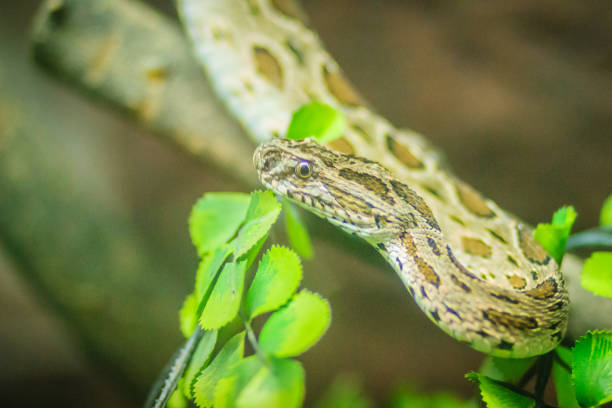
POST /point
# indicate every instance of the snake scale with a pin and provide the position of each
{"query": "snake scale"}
(473, 269)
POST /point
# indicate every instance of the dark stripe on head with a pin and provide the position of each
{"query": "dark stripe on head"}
(372, 183)
(509, 320)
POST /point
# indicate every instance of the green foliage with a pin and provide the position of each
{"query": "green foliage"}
(254, 384)
(407, 397)
(597, 274)
(215, 218)
(296, 327)
(296, 231)
(218, 373)
(278, 276)
(592, 368)
(506, 369)
(582, 376)
(566, 391)
(345, 391)
(496, 395)
(262, 213)
(316, 120)
(605, 218)
(178, 399)
(206, 382)
(187, 315)
(207, 269)
(553, 236)
(235, 380)
(198, 360)
(222, 305)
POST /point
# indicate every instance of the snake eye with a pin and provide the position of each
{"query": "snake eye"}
(303, 170)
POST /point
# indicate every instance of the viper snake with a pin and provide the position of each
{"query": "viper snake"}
(473, 269)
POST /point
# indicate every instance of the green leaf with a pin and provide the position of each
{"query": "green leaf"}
(224, 301)
(566, 392)
(506, 369)
(495, 395)
(215, 218)
(208, 268)
(346, 391)
(280, 385)
(296, 231)
(236, 378)
(198, 361)
(297, 326)
(605, 218)
(177, 400)
(592, 369)
(564, 354)
(277, 278)
(262, 213)
(172, 374)
(316, 120)
(407, 397)
(206, 382)
(597, 274)
(188, 315)
(252, 253)
(553, 236)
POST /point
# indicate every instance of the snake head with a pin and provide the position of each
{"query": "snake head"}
(351, 192)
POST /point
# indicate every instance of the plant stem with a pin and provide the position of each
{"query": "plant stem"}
(562, 363)
(543, 366)
(527, 376)
(253, 340)
(591, 238)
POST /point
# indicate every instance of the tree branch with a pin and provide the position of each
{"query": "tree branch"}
(131, 56)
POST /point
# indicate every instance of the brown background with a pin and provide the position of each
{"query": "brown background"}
(518, 95)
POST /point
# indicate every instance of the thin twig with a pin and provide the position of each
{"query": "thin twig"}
(562, 363)
(592, 238)
(253, 340)
(544, 366)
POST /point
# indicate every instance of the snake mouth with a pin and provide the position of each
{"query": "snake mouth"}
(266, 160)
(257, 158)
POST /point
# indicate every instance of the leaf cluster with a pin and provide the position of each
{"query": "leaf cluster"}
(582, 376)
(229, 230)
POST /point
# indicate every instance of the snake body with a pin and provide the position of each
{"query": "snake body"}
(474, 269)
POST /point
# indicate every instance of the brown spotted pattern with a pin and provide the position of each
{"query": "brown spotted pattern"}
(413, 199)
(517, 282)
(340, 88)
(341, 145)
(268, 66)
(403, 153)
(476, 246)
(427, 271)
(464, 287)
(530, 247)
(545, 290)
(472, 200)
(370, 182)
(290, 8)
(509, 320)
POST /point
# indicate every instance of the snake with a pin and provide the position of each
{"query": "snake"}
(474, 269)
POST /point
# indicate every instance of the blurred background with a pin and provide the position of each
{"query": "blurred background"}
(95, 258)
